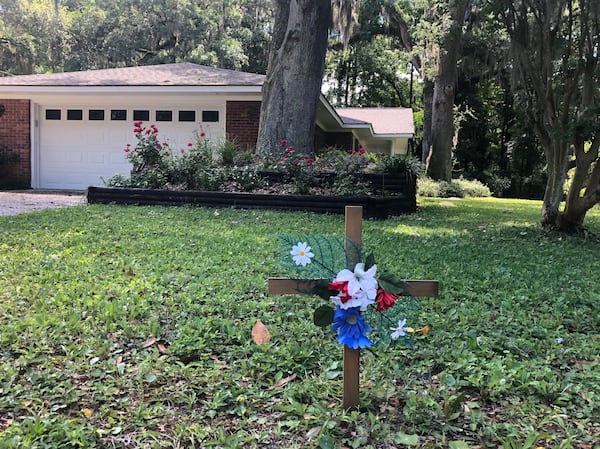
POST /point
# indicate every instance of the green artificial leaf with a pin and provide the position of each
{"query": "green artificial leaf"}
(391, 283)
(321, 289)
(323, 316)
(369, 261)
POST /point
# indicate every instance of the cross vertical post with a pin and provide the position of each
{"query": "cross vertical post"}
(353, 243)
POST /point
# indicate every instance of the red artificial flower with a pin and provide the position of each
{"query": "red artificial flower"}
(283, 158)
(137, 130)
(361, 150)
(190, 144)
(158, 145)
(148, 131)
(127, 150)
(309, 160)
(289, 150)
(137, 124)
(283, 142)
(167, 154)
(182, 151)
(202, 134)
(342, 288)
(296, 162)
(384, 299)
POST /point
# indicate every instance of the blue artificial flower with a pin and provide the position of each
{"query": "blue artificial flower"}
(351, 328)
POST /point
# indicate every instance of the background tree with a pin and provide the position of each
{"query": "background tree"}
(555, 50)
(47, 35)
(439, 160)
(294, 75)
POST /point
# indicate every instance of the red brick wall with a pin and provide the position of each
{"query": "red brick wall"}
(15, 145)
(241, 123)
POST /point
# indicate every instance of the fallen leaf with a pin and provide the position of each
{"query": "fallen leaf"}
(162, 348)
(284, 381)
(313, 432)
(87, 412)
(149, 342)
(260, 333)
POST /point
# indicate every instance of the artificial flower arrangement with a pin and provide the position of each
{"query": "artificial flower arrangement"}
(356, 295)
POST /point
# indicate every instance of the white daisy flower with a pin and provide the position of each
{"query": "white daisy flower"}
(301, 254)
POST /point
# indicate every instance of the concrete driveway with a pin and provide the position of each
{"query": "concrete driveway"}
(21, 201)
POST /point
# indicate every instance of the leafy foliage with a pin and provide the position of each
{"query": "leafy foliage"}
(461, 188)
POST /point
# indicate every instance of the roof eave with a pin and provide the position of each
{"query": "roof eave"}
(215, 89)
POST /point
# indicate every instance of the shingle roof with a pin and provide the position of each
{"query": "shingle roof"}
(180, 74)
(384, 120)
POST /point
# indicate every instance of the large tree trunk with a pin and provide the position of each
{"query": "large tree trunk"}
(294, 76)
(557, 156)
(427, 106)
(439, 162)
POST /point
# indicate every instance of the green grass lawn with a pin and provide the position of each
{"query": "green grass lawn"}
(512, 357)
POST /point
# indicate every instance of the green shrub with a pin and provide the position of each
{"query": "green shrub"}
(226, 151)
(428, 187)
(246, 178)
(450, 190)
(472, 188)
(400, 163)
(457, 188)
(208, 179)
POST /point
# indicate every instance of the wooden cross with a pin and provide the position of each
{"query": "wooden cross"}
(287, 286)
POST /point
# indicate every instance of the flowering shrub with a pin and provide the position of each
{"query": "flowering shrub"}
(148, 152)
(298, 168)
(352, 292)
(204, 165)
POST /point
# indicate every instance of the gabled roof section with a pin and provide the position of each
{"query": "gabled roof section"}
(385, 121)
(180, 74)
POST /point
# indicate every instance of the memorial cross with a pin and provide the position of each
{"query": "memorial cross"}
(353, 242)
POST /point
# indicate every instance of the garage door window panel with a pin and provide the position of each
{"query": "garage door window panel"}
(74, 114)
(187, 116)
(164, 116)
(53, 114)
(141, 115)
(96, 114)
(210, 116)
(118, 114)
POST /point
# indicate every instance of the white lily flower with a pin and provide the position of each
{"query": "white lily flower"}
(360, 280)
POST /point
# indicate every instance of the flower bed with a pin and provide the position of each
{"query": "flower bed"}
(373, 207)
(219, 175)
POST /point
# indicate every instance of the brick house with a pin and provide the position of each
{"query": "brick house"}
(68, 130)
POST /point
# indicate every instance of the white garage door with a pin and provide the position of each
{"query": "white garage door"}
(79, 146)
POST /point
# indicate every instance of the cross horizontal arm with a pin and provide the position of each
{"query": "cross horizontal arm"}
(286, 286)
